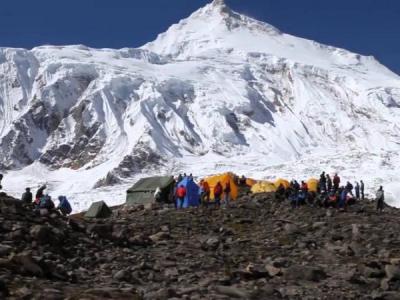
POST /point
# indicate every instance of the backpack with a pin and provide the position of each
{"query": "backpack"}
(46, 202)
(65, 207)
(181, 192)
(379, 195)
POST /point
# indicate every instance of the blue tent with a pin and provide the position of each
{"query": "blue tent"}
(192, 192)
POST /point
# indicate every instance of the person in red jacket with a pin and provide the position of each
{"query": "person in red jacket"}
(206, 193)
(336, 182)
(180, 196)
(217, 194)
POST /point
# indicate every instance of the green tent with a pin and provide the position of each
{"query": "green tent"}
(143, 191)
(98, 210)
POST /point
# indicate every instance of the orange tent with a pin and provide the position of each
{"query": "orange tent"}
(250, 182)
(263, 187)
(284, 182)
(313, 185)
(223, 179)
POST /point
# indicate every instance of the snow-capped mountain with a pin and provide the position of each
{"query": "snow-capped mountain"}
(217, 91)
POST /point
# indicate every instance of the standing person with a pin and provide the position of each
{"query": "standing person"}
(362, 189)
(342, 197)
(180, 178)
(336, 182)
(27, 197)
(349, 187)
(329, 182)
(303, 195)
(322, 182)
(357, 190)
(280, 192)
(64, 206)
(180, 196)
(40, 193)
(227, 194)
(206, 191)
(380, 199)
(217, 194)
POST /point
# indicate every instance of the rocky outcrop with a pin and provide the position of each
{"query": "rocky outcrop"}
(259, 248)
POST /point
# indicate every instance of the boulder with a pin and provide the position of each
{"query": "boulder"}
(162, 235)
(392, 272)
(27, 264)
(41, 233)
(5, 250)
(4, 292)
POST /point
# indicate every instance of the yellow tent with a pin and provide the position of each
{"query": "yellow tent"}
(284, 182)
(223, 179)
(250, 182)
(313, 185)
(263, 187)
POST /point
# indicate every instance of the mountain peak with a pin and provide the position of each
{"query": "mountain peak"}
(218, 3)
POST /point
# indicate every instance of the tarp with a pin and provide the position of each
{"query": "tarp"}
(263, 187)
(223, 179)
(98, 210)
(313, 185)
(284, 182)
(192, 192)
(143, 191)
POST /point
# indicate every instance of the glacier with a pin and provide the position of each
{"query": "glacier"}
(219, 91)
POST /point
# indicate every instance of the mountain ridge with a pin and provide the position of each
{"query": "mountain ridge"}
(202, 97)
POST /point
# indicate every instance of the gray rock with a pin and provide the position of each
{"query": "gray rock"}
(121, 275)
(392, 272)
(272, 271)
(161, 294)
(315, 274)
(28, 264)
(162, 235)
(212, 243)
(5, 250)
(232, 292)
(41, 233)
(4, 292)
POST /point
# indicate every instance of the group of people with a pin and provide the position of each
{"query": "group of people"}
(328, 193)
(221, 193)
(43, 201)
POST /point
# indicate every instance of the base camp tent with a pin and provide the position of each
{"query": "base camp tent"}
(263, 187)
(313, 185)
(98, 210)
(223, 179)
(192, 192)
(143, 191)
(250, 182)
(284, 182)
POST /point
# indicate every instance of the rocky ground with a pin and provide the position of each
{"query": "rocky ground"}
(259, 248)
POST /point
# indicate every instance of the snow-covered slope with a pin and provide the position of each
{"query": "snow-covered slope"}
(218, 91)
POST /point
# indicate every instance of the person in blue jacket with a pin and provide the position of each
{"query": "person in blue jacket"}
(64, 206)
(343, 197)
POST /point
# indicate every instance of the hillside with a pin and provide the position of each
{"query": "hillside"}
(257, 249)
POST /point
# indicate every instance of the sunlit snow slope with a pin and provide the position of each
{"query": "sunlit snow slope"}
(218, 91)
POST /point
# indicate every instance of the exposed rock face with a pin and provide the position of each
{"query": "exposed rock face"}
(259, 248)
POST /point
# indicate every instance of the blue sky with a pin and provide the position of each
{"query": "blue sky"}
(370, 27)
